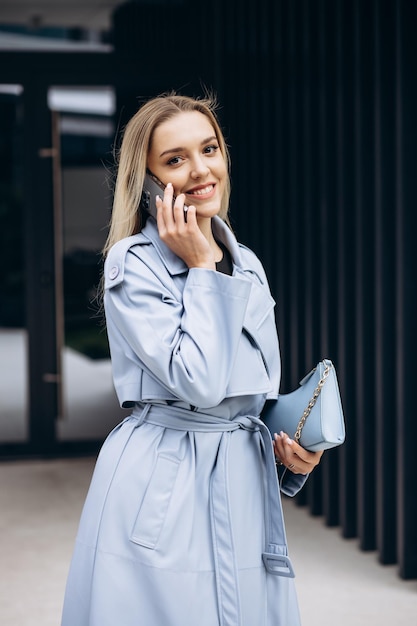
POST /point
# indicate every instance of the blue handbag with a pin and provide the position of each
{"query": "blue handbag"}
(312, 414)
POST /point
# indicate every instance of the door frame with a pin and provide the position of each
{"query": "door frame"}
(37, 72)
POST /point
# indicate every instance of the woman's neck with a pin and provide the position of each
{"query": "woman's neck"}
(205, 227)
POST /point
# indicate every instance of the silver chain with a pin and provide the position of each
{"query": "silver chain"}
(311, 404)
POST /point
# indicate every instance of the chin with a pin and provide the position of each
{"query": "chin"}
(210, 209)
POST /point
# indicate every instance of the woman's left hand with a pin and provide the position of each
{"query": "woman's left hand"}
(296, 458)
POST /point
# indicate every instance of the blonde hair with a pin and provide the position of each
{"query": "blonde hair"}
(133, 154)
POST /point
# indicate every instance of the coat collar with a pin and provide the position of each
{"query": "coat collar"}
(174, 264)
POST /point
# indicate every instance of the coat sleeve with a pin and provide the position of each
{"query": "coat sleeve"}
(290, 483)
(187, 341)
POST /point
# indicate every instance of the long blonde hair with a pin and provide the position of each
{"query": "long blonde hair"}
(132, 159)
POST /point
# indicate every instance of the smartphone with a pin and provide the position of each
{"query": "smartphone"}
(153, 187)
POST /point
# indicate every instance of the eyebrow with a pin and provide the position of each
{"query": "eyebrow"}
(181, 149)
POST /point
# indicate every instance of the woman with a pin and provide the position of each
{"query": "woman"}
(183, 524)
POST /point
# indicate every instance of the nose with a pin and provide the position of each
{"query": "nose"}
(199, 169)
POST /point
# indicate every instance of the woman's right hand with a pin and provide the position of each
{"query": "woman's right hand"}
(181, 232)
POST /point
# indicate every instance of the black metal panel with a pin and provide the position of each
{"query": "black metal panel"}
(384, 311)
(345, 258)
(310, 260)
(40, 270)
(364, 271)
(283, 205)
(326, 247)
(406, 300)
(57, 68)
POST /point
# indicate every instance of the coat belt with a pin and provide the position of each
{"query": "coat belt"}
(274, 557)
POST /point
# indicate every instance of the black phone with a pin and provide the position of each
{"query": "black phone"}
(153, 187)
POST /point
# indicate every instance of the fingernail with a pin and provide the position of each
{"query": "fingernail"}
(157, 197)
(282, 433)
(169, 185)
(289, 441)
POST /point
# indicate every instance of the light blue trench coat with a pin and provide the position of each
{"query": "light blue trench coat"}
(182, 525)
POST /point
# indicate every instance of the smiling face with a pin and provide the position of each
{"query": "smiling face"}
(185, 152)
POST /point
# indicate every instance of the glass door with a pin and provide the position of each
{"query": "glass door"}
(85, 130)
(14, 427)
(56, 390)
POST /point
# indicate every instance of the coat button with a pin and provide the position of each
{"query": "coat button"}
(114, 272)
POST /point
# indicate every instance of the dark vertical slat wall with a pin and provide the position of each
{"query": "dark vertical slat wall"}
(365, 155)
(346, 255)
(405, 284)
(309, 187)
(385, 183)
(319, 107)
(326, 280)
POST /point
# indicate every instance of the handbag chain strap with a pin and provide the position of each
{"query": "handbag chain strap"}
(311, 404)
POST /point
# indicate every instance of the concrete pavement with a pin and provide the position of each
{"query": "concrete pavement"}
(40, 504)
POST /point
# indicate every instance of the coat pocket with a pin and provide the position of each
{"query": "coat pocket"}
(153, 510)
